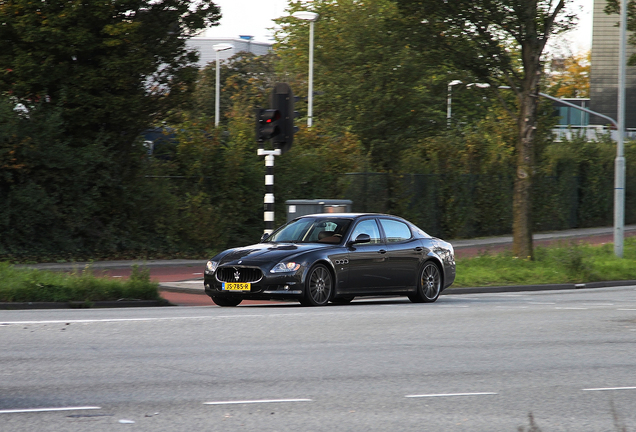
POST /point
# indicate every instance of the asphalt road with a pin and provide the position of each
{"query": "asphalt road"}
(478, 362)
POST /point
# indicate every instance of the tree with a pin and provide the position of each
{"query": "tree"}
(114, 67)
(243, 74)
(569, 77)
(88, 76)
(501, 42)
(369, 80)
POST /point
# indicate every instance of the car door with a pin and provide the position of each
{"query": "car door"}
(368, 263)
(404, 252)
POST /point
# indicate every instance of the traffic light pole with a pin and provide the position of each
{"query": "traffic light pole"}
(275, 124)
(268, 215)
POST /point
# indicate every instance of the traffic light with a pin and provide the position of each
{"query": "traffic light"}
(282, 100)
(267, 124)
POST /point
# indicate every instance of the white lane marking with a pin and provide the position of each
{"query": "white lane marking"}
(571, 308)
(32, 410)
(450, 395)
(610, 388)
(626, 309)
(116, 320)
(541, 303)
(255, 401)
(105, 320)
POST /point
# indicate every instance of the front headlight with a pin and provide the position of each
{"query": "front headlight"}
(211, 266)
(285, 267)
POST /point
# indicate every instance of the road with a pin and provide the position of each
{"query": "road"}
(478, 362)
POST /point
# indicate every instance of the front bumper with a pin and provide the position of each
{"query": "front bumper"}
(278, 286)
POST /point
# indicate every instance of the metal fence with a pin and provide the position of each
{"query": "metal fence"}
(466, 206)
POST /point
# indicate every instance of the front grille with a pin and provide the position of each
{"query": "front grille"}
(245, 274)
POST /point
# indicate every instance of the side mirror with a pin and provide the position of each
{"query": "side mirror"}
(264, 237)
(362, 238)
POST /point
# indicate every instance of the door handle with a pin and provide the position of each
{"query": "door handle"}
(382, 251)
(419, 249)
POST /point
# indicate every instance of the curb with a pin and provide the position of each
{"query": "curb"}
(546, 287)
(467, 290)
(182, 290)
(197, 291)
(83, 305)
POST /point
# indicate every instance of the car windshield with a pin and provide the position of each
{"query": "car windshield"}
(311, 230)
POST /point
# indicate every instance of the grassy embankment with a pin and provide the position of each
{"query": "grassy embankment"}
(564, 263)
(29, 285)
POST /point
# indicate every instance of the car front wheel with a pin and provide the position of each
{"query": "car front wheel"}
(429, 284)
(318, 286)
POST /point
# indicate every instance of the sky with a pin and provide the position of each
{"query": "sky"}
(254, 17)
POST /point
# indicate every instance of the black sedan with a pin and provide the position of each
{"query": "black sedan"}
(322, 258)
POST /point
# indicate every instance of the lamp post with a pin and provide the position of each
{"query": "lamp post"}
(619, 162)
(449, 101)
(218, 48)
(311, 17)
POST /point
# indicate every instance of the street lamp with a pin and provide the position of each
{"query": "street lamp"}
(619, 166)
(619, 162)
(448, 101)
(218, 48)
(311, 17)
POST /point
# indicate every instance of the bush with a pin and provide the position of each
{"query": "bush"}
(28, 285)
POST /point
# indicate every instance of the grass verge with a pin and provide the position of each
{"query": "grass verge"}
(563, 263)
(29, 285)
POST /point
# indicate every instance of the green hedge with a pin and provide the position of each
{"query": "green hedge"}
(28, 285)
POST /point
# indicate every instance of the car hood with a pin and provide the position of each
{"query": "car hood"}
(266, 253)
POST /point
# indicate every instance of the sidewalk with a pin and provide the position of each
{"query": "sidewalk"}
(470, 247)
(463, 248)
(106, 265)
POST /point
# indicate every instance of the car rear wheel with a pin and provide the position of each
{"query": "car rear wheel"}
(318, 286)
(429, 284)
(226, 301)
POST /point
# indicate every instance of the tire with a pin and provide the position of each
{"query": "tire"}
(429, 284)
(226, 301)
(342, 300)
(319, 286)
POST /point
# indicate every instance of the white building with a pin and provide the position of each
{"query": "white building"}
(243, 43)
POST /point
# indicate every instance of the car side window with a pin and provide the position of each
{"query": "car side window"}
(395, 231)
(370, 227)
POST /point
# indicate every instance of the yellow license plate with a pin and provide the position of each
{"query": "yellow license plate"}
(237, 286)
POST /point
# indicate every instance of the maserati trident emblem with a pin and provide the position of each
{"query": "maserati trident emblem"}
(237, 275)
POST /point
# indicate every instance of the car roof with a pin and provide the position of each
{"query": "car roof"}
(345, 215)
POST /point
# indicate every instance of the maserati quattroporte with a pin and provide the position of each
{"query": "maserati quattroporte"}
(322, 258)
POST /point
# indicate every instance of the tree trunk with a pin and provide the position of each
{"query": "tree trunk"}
(527, 125)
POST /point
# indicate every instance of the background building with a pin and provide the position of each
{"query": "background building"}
(241, 44)
(604, 69)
